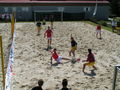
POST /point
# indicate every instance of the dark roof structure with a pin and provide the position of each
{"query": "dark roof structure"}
(51, 2)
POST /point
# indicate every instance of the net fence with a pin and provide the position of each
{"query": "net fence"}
(116, 78)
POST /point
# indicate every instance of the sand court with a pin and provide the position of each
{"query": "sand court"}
(32, 61)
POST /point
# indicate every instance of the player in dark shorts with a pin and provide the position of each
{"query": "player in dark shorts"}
(113, 24)
(38, 24)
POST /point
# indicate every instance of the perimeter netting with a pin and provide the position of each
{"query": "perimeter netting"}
(40, 15)
(118, 79)
(116, 82)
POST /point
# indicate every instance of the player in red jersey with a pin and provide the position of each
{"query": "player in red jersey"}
(56, 57)
(49, 35)
(90, 60)
(98, 31)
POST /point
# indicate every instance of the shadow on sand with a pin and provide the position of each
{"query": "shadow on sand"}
(47, 49)
(91, 74)
(56, 64)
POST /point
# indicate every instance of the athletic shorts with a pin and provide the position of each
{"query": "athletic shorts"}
(113, 27)
(59, 59)
(49, 38)
(118, 28)
(39, 28)
(73, 48)
(90, 64)
(98, 31)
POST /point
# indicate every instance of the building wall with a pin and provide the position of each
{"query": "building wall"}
(27, 12)
(22, 12)
(102, 11)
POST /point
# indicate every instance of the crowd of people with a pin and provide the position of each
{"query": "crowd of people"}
(5, 17)
(41, 82)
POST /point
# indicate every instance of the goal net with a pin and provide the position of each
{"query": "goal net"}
(45, 14)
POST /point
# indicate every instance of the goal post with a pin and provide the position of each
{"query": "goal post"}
(2, 64)
(12, 24)
(116, 69)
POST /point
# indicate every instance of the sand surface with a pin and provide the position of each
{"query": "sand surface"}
(32, 61)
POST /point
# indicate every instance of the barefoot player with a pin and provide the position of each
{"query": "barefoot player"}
(56, 57)
(49, 34)
(38, 24)
(73, 46)
(90, 60)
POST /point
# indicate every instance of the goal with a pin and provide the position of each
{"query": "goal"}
(116, 78)
(45, 14)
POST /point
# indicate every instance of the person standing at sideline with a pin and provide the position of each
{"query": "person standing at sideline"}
(98, 32)
(113, 24)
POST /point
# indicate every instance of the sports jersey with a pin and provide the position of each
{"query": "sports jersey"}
(73, 43)
(98, 27)
(55, 55)
(91, 58)
(38, 24)
(49, 33)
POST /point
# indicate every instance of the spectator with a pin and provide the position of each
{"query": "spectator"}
(3, 17)
(113, 24)
(39, 87)
(64, 84)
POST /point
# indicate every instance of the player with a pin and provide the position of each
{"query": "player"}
(57, 57)
(49, 34)
(90, 60)
(73, 47)
(38, 24)
(98, 31)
